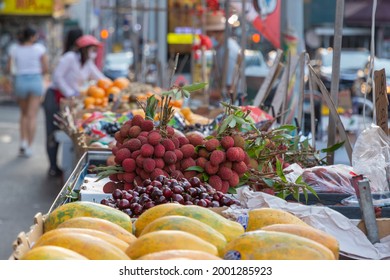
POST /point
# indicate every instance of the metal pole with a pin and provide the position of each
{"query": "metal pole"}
(145, 32)
(334, 87)
(242, 82)
(226, 54)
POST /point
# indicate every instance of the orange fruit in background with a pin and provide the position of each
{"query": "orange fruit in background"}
(97, 92)
(121, 82)
(113, 90)
(98, 101)
(89, 101)
(104, 83)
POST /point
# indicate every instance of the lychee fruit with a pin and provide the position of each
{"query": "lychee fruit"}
(154, 138)
(187, 162)
(159, 163)
(227, 142)
(128, 165)
(239, 141)
(170, 130)
(235, 154)
(140, 161)
(147, 125)
(227, 164)
(170, 157)
(202, 152)
(177, 174)
(201, 162)
(128, 186)
(216, 182)
(225, 186)
(134, 131)
(217, 157)
(118, 137)
(109, 187)
(170, 168)
(147, 150)
(137, 120)
(124, 130)
(240, 167)
(159, 151)
(149, 165)
(133, 144)
(211, 144)
(156, 172)
(144, 134)
(188, 150)
(168, 144)
(195, 138)
(189, 174)
(179, 154)
(129, 177)
(121, 155)
(225, 173)
(138, 181)
(183, 140)
(143, 139)
(210, 168)
(176, 142)
(135, 154)
(113, 177)
(234, 180)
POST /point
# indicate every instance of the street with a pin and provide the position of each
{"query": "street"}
(25, 188)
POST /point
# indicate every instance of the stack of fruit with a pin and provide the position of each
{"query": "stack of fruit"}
(86, 230)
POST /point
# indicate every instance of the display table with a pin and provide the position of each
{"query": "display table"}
(67, 153)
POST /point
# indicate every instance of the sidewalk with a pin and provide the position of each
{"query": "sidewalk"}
(25, 188)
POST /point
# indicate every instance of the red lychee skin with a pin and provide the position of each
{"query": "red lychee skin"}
(211, 144)
(168, 144)
(128, 186)
(113, 177)
(225, 173)
(216, 182)
(188, 150)
(147, 150)
(114, 149)
(227, 142)
(227, 164)
(211, 169)
(159, 163)
(147, 125)
(177, 174)
(128, 122)
(178, 165)
(124, 130)
(268, 191)
(201, 162)
(240, 167)
(121, 155)
(225, 186)
(133, 144)
(154, 138)
(135, 154)
(138, 181)
(234, 180)
(156, 172)
(170, 168)
(170, 157)
(118, 136)
(128, 165)
(144, 175)
(120, 176)
(118, 144)
(129, 177)
(183, 140)
(179, 154)
(159, 151)
(217, 157)
(149, 165)
(189, 174)
(247, 159)
(120, 185)
(142, 139)
(137, 120)
(140, 161)
(235, 154)
(202, 152)
(170, 130)
(134, 131)
(109, 187)
(176, 142)
(195, 139)
(144, 134)
(187, 162)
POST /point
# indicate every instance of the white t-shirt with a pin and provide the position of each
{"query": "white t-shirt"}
(69, 77)
(26, 59)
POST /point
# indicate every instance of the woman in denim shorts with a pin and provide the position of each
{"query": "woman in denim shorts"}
(28, 62)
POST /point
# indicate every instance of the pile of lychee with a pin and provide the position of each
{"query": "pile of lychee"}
(145, 152)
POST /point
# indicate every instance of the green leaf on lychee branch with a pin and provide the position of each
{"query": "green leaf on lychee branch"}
(151, 107)
(195, 168)
(269, 182)
(333, 148)
(194, 87)
(279, 171)
(232, 190)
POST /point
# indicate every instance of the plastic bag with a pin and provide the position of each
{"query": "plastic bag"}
(330, 179)
(370, 157)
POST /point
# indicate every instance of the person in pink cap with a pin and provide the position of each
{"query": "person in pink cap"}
(76, 67)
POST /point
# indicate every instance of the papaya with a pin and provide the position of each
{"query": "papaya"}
(267, 245)
(52, 253)
(162, 240)
(151, 214)
(189, 225)
(101, 225)
(261, 217)
(93, 232)
(227, 228)
(86, 209)
(91, 247)
(179, 254)
(320, 236)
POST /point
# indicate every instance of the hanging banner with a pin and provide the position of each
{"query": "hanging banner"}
(265, 17)
(53, 8)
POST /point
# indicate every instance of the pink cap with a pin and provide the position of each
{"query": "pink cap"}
(87, 40)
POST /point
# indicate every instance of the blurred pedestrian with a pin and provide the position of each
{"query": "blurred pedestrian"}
(28, 62)
(75, 68)
(225, 59)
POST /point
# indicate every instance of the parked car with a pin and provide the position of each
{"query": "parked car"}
(351, 61)
(118, 64)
